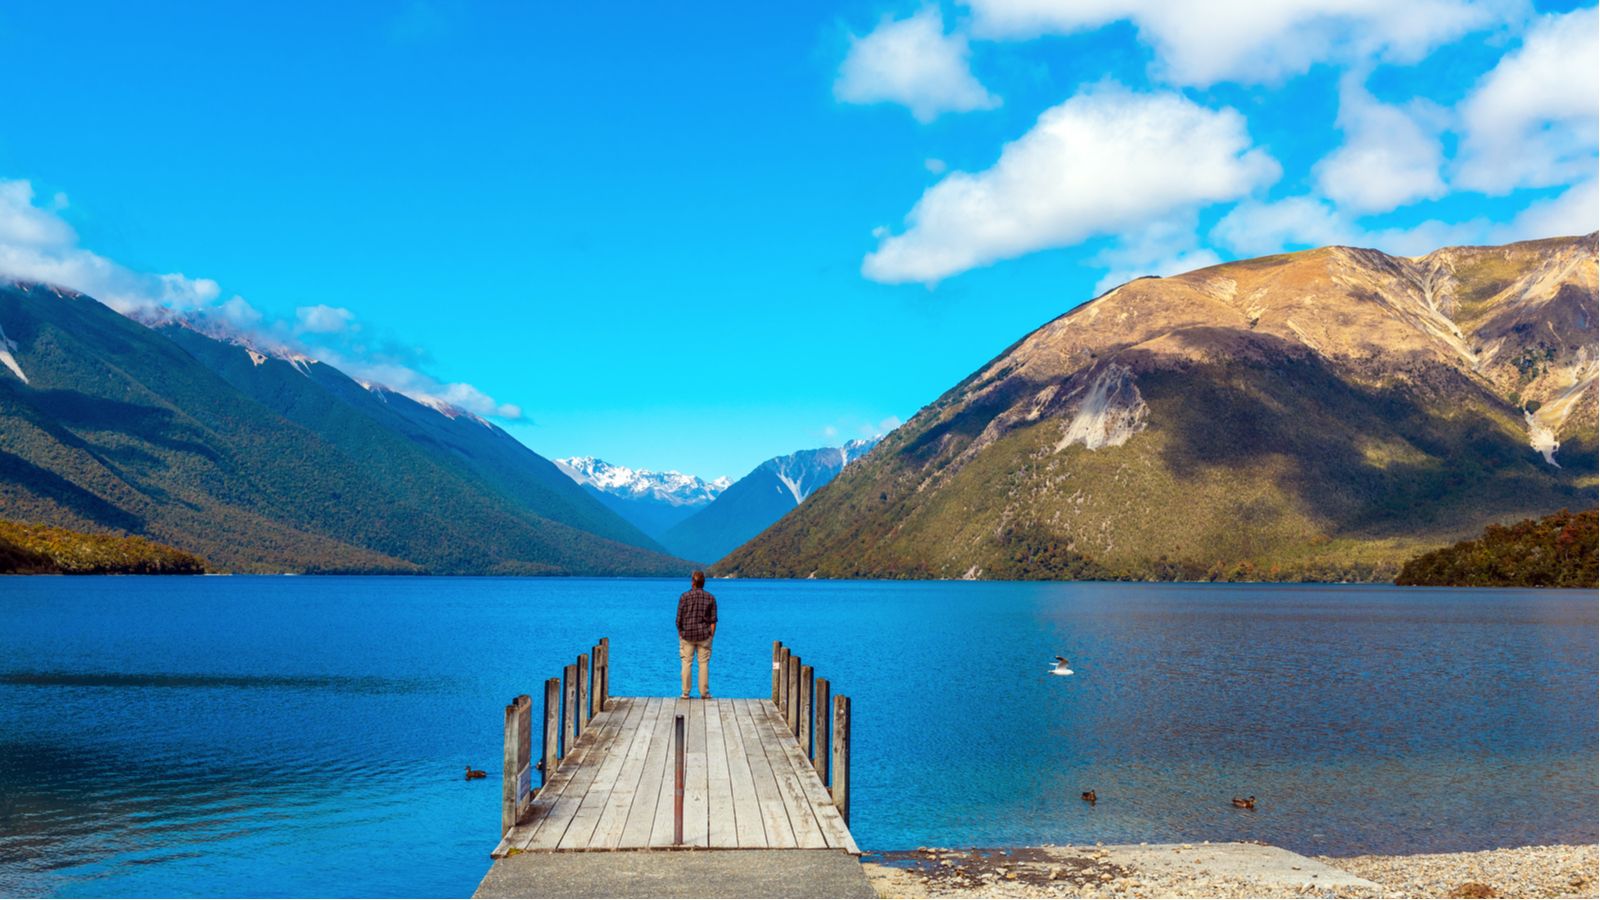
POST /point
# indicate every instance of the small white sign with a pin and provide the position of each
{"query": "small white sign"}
(776, 666)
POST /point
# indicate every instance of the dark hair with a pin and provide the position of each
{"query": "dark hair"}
(698, 579)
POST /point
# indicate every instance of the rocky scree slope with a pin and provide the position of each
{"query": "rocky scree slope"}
(1320, 415)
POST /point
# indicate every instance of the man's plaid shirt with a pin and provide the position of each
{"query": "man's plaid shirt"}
(697, 612)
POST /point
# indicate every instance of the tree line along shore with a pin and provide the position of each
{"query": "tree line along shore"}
(1561, 550)
(46, 550)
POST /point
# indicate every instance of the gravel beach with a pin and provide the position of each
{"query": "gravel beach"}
(1184, 871)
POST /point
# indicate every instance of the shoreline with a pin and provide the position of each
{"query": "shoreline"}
(1237, 869)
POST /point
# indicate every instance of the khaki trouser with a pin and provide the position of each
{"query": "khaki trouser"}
(686, 653)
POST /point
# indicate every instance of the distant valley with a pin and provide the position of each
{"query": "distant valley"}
(1320, 416)
(704, 520)
(652, 501)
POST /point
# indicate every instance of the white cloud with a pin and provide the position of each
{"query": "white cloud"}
(1391, 156)
(936, 166)
(322, 319)
(1295, 223)
(884, 426)
(1575, 211)
(1532, 121)
(1201, 42)
(1256, 229)
(1163, 248)
(37, 245)
(914, 63)
(1106, 161)
(23, 224)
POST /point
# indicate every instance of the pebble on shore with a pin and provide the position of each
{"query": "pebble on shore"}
(1555, 871)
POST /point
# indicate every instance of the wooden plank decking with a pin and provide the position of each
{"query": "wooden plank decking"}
(748, 784)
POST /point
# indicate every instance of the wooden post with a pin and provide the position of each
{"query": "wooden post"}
(584, 713)
(677, 791)
(806, 676)
(822, 706)
(841, 757)
(597, 697)
(605, 686)
(792, 711)
(783, 681)
(516, 777)
(552, 730)
(569, 709)
(777, 670)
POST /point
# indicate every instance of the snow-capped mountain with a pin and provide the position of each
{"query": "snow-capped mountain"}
(672, 488)
(807, 470)
(652, 501)
(757, 500)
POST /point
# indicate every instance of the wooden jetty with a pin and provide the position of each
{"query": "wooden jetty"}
(633, 773)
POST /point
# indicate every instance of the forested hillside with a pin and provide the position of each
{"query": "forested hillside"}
(1560, 550)
(43, 550)
(108, 426)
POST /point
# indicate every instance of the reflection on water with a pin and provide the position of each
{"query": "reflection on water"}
(294, 737)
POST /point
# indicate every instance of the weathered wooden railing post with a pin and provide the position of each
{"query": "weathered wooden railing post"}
(597, 701)
(569, 709)
(841, 756)
(783, 681)
(583, 693)
(677, 791)
(777, 670)
(821, 706)
(517, 777)
(792, 710)
(552, 730)
(804, 718)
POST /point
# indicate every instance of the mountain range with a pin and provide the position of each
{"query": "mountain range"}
(182, 431)
(1321, 415)
(652, 501)
(748, 506)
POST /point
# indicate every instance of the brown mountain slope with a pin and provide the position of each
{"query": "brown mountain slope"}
(1313, 415)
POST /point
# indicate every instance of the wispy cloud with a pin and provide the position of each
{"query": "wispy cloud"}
(914, 63)
(1203, 42)
(1531, 122)
(1391, 156)
(849, 428)
(37, 244)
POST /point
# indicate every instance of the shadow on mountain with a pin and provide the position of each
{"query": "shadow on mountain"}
(153, 424)
(48, 485)
(1374, 461)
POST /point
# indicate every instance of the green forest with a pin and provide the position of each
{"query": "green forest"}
(44, 550)
(1555, 551)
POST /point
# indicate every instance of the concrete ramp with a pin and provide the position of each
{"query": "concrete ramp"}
(678, 873)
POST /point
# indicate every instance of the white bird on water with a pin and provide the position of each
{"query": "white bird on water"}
(1061, 667)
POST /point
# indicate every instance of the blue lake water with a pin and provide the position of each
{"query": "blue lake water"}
(260, 736)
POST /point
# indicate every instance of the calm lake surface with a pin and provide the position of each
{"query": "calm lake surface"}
(274, 736)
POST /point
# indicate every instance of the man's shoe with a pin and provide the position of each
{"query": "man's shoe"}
(705, 696)
(684, 697)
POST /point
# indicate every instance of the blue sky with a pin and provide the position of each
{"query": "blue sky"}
(695, 238)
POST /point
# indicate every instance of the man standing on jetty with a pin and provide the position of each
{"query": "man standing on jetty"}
(697, 622)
